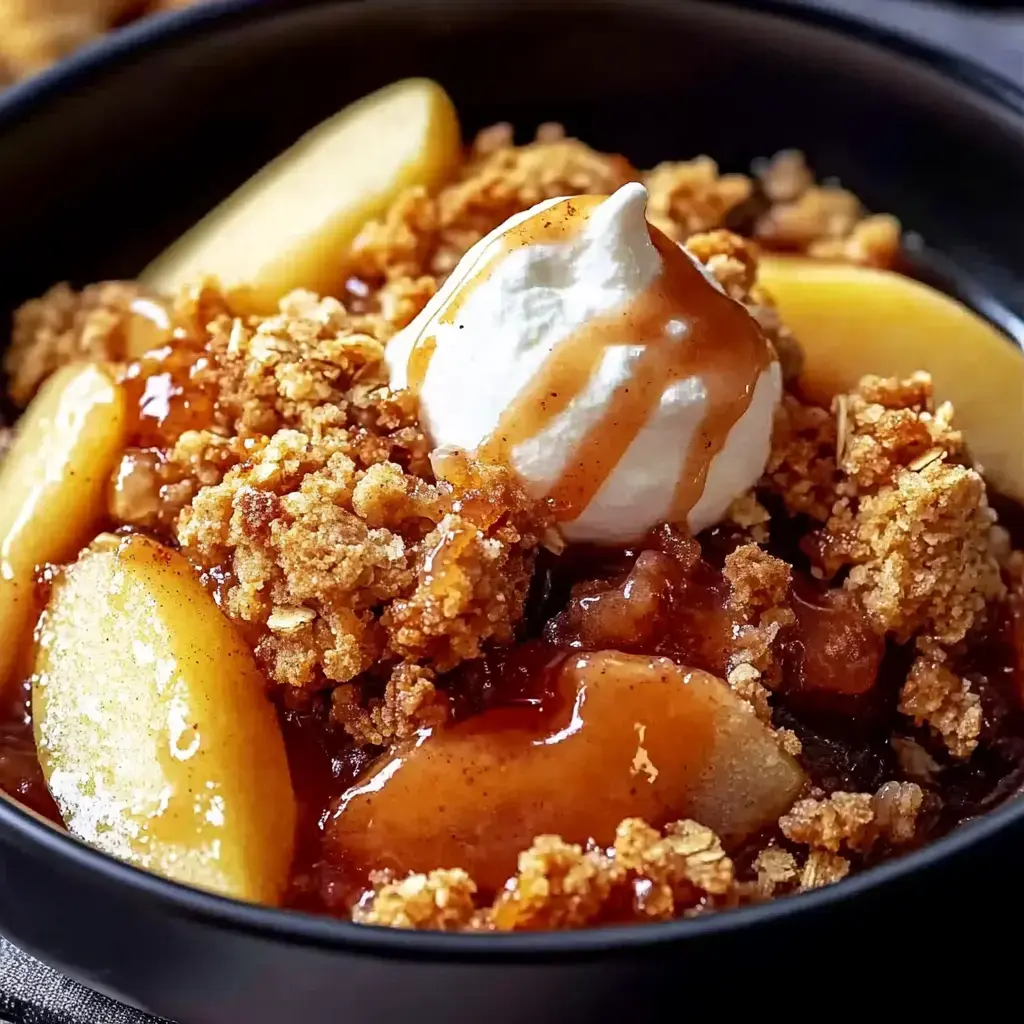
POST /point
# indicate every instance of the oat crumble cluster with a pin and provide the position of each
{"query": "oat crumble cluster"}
(301, 487)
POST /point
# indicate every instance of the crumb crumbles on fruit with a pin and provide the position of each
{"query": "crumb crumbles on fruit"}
(370, 579)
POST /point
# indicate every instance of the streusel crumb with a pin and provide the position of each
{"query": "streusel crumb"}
(856, 821)
(65, 326)
(732, 261)
(890, 425)
(758, 581)
(776, 869)
(389, 570)
(828, 824)
(558, 885)
(802, 466)
(823, 868)
(759, 601)
(920, 553)
(911, 520)
(646, 875)
(441, 901)
(424, 234)
(409, 703)
(935, 696)
(693, 195)
(823, 221)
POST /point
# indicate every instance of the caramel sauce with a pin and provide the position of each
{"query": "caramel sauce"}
(717, 340)
(419, 362)
(164, 396)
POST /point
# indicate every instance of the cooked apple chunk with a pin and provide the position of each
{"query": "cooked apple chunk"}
(853, 321)
(154, 730)
(291, 224)
(53, 481)
(622, 736)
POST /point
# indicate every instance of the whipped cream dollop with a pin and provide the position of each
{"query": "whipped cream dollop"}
(599, 360)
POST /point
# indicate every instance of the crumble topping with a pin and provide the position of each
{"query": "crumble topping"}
(425, 235)
(823, 868)
(913, 524)
(920, 553)
(389, 569)
(441, 901)
(758, 582)
(855, 821)
(759, 600)
(646, 875)
(935, 696)
(410, 702)
(802, 466)
(823, 221)
(64, 326)
(776, 870)
(428, 234)
(688, 196)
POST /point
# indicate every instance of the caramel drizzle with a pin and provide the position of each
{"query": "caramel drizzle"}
(722, 344)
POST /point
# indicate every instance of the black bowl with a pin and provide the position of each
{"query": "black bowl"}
(105, 159)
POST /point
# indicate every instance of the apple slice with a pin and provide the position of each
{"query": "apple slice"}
(154, 730)
(622, 736)
(291, 224)
(853, 321)
(54, 483)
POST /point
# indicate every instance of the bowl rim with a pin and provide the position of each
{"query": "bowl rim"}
(28, 829)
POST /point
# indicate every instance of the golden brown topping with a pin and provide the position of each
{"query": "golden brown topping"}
(828, 824)
(647, 875)
(855, 820)
(64, 326)
(442, 901)
(150, 488)
(823, 868)
(409, 703)
(558, 886)
(758, 582)
(914, 524)
(691, 196)
(889, 425)
(922, 554)
(424, 234)
(750, 515)
(802, 465)
(311, 367)
(776, 871)
(745, 682)
(823, 221)
(731, 260)
(933, 695)
(681, 867)
(295, 525)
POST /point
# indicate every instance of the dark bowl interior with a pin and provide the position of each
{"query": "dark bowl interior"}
(105, 160)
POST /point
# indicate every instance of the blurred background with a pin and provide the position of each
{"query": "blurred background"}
(37, 33)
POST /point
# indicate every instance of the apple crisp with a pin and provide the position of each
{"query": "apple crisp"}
(394, 594)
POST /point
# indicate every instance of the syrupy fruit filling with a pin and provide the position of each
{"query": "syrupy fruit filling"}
(837, 690)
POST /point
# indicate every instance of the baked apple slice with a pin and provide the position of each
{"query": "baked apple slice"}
(622, 736)
(853, 321)
(54, 482)
(154, 730)
(291, 224)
